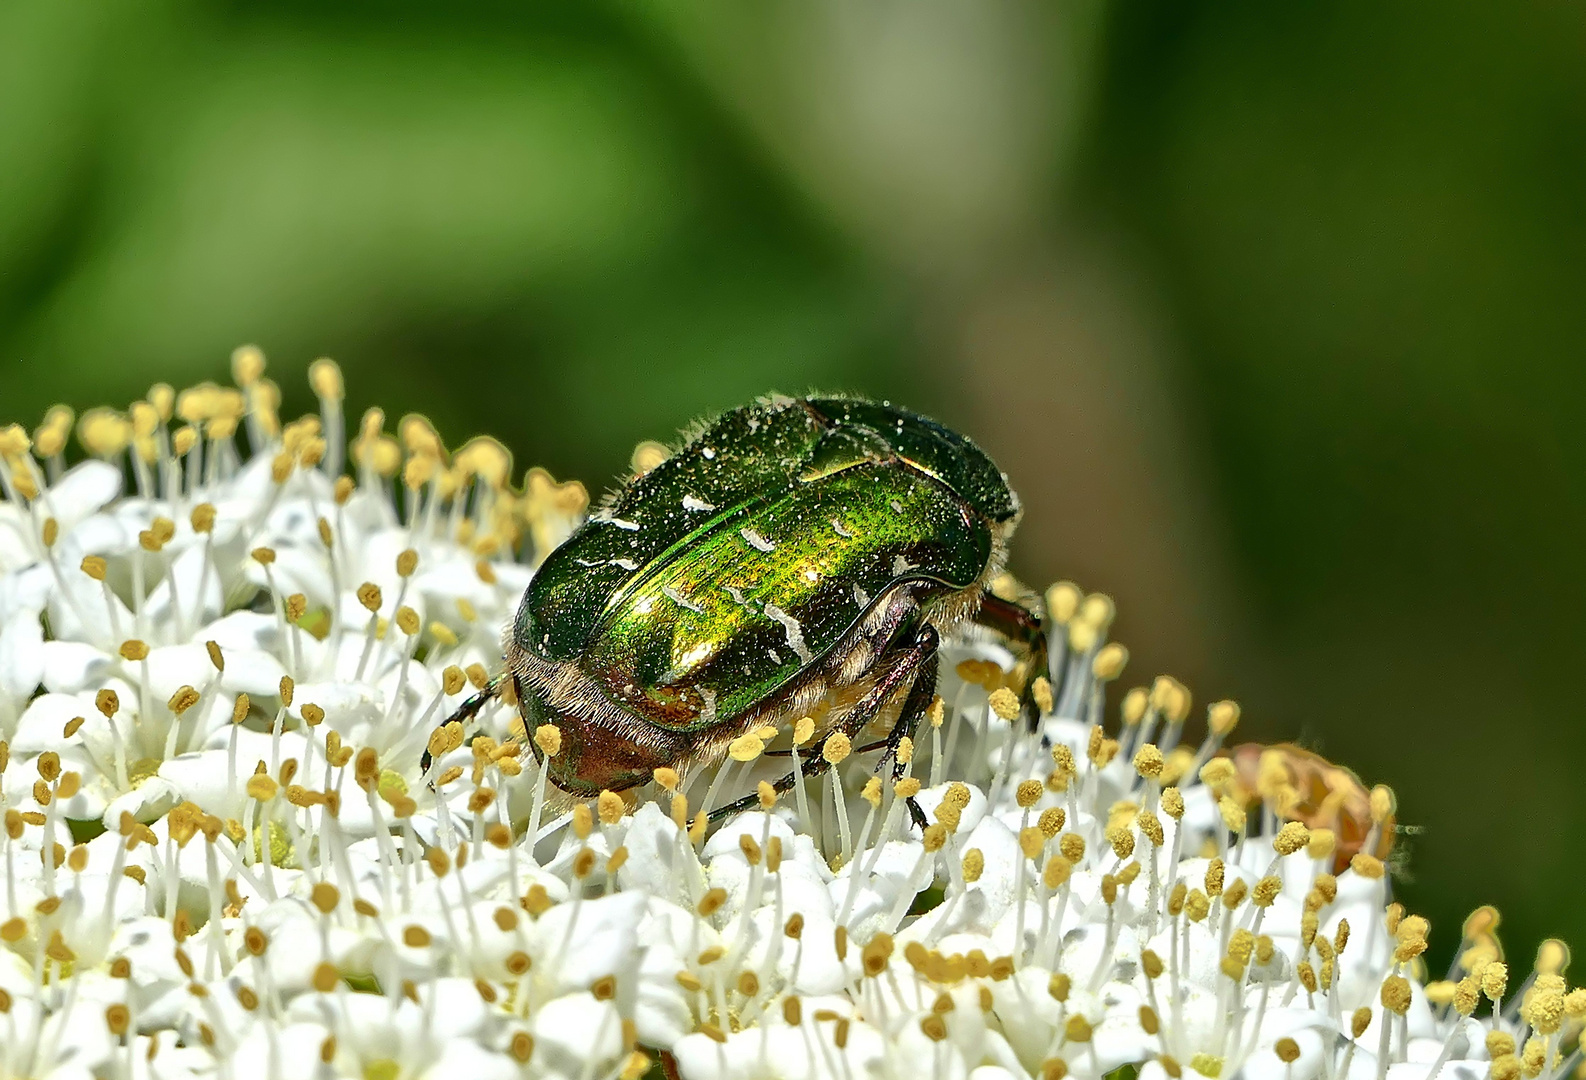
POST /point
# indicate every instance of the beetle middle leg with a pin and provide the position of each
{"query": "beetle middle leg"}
(917, 665)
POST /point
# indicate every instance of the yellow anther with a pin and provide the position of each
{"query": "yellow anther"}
(1062, 601)
(1222, 716)
(548, 737)
(1383, 804)
(1110, 661)
(1134, 705)
(1148, 762)
(871, 792)
(325, 377)
(1291, 838)
(973, 865)
(745, 747)
(1004, 703)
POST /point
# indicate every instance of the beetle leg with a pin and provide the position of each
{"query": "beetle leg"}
(918, 663)
(1022, 626)
(465, 712)
(914, 707)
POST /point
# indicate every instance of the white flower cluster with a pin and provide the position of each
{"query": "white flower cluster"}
(219, 675)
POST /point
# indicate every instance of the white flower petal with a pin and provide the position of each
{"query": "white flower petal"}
(21, 659)
(576, 1031)
(82, 490)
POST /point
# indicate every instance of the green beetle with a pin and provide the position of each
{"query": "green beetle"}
(790, 551)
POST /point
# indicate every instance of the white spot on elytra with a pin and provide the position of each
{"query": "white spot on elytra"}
(755, 540)
(810, 575)
(861, 597)
(679, 599)
(776, 657)
(709, 452)
(736, 593)
(795, 632)
(842, 532)
(626, 564)
(901, 566)
(701, 652)
(692, 503)
(897, 507)
(708, 712)
(631, 526)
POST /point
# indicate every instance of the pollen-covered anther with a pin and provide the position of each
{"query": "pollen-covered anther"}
(747, 747)
(750, 848)
(1135, 702)
(407, 620)
(1233, 815)
(1028, 793)
(711, 902)
(1395, 994)
(1217, 773)
(1150, 827)
(1109, 662)
(1004, 703)
(548, 737)
(1148, 762)
(1222, 717)
(610, 807)
(982, 673)
(874, 956)
(1367, 866)
(1292, 837)
(1062, 601)
(905, 751)
(1170, 698)
(1076, 1029)
(1383, 804)
(871, 792)
(973, 865)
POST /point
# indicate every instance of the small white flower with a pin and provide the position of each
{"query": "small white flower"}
(239, 842)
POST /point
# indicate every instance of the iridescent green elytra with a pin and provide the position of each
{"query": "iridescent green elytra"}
(790, 551)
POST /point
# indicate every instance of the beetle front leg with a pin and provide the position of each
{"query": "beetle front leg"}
(1019, 624)
(914, 707)
(919, 665)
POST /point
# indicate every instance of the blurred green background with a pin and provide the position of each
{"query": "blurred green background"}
(1274, 313)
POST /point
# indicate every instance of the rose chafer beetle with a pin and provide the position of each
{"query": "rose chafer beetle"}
(789, 553)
